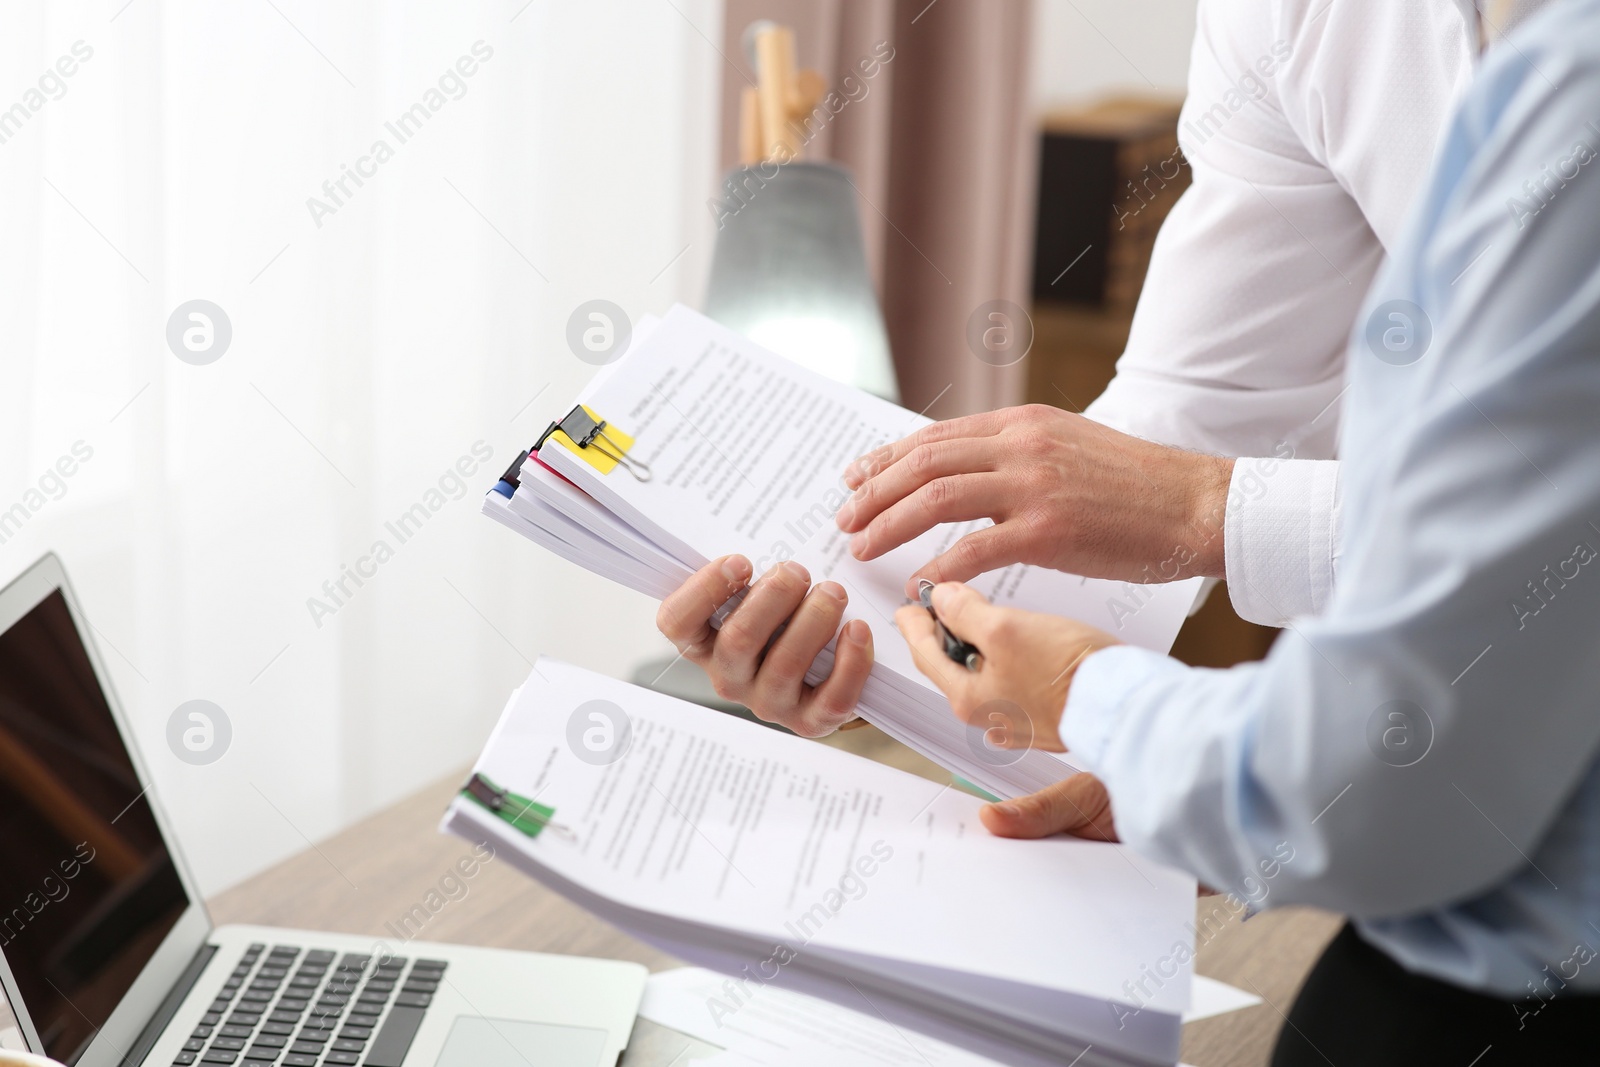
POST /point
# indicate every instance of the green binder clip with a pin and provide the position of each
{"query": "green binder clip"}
(520, 812)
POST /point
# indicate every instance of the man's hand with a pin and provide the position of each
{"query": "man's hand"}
(1064, 492)
(1079, 806)
(767, 673)
(1019, 689)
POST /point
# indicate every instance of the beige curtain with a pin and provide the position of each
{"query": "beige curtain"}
(942, 144)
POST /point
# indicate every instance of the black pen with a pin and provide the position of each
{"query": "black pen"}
(958, 650)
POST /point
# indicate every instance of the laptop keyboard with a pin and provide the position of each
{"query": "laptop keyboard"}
(291, 1008)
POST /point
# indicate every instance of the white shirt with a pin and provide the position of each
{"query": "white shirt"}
(1426, 753)
(1309, 127)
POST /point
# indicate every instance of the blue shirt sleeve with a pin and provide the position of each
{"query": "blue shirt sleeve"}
(1416, 743)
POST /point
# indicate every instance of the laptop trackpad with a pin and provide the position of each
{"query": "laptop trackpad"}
(479, 1042)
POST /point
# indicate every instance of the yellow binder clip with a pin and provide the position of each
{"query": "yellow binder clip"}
(597, 443)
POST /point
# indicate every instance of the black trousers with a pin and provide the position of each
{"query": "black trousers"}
(1359, 1008)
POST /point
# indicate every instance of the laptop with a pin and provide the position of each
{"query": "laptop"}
(107, 955)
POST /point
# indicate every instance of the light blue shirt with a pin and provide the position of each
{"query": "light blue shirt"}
(1425, 751)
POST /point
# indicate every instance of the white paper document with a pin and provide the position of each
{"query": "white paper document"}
(789, 864)
(746, 451)
(775, 1027)
(732, 1058)
(768, 1025)
(1210, 998)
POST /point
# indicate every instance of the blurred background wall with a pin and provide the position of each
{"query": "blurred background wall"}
(1084, 49)
(394, 342)
(391, 349)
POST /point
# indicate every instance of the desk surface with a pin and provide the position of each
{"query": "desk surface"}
(378, 870)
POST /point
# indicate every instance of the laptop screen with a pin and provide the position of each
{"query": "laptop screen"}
(88, 889)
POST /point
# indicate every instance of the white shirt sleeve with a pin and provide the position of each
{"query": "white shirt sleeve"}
(1238, 340)
(1281, 537)
(1237, 346)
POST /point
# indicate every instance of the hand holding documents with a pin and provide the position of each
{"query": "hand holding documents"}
(776, 860)
(713, 445)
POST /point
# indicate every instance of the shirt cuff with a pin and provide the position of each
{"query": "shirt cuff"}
(1281, 537)
(1100, 690)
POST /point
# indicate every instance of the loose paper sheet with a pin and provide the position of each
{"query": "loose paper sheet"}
(764, 1025)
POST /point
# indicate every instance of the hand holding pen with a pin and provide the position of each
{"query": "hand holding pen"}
(1015, 667)
(956, 649)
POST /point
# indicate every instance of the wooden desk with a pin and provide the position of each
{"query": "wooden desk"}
(374, 873)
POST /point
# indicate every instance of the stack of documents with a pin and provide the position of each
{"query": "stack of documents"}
(730, 448)
(779, 862)
(778, 1028)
